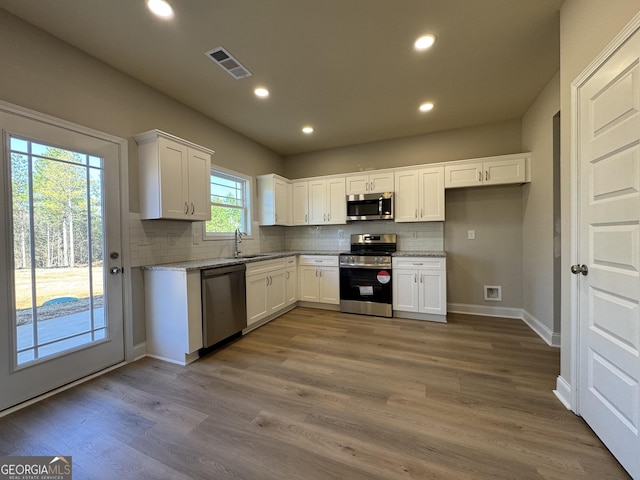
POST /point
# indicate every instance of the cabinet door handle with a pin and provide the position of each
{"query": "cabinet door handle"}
(421, 277)
(324, 217)
(416, 213)
(186, 208)
(486, 176)
(316, 273)
(288, 275)
(479, 176)
(193, 208)
(306, 218)
(373, 185)
(328, 217)
(421, 213)
(320, 273)
(415, 277)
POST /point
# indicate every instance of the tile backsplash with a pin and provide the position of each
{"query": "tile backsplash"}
(411, 236)
(154, 242)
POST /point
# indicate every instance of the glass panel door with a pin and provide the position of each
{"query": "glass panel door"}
(57, 245)
(61, 305)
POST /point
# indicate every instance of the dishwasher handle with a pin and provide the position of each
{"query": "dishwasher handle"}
(218, 272)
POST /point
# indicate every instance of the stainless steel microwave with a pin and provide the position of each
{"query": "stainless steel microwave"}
(370, 206)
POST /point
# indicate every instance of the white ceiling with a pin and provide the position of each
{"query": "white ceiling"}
(347, 67)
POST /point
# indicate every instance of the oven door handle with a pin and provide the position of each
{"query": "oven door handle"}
(371, 267)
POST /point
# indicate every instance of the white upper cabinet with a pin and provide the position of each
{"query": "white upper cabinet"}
(406, 196)
(274, 200)
(419, 195)
(487, 171)
(327, 201)
(373, 182)
(300, 202)
(431, 194)
(418, 192)
(174, 178)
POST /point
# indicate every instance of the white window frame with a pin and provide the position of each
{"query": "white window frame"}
(248, 191)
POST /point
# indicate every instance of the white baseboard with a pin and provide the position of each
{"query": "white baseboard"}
(139, 351)
(484, 310)
(563, 392)
(544, 332)
(552, 339)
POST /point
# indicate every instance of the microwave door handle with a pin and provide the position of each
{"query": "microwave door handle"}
(380, 206)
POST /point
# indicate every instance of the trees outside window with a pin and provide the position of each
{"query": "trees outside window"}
(230, 195)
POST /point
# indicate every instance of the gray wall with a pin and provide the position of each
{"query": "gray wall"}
(537, 208)
(472, 142)
(495, 256)
(586, 28)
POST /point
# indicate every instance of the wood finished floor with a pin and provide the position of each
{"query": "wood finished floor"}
(325, 395)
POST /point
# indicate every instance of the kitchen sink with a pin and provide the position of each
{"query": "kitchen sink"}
(254, 256)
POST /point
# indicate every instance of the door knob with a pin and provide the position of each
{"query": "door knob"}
(115, 270)
(576, 269)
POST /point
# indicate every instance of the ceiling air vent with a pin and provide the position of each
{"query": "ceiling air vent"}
(230, 65)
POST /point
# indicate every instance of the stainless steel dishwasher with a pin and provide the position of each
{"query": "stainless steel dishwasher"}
(224, 303)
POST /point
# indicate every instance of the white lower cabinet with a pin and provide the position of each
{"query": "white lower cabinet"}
(420, 288)
(173, 315)
(319, 279)
(266, 289)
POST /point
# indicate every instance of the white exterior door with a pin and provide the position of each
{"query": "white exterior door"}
(608, 155)
(61, 311)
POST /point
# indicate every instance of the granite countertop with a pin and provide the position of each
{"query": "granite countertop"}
(419, 254)
(226, 262)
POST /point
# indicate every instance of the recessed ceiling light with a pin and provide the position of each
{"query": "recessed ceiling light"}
(426, 107)
(261, 92)
(424, 42)
(307, 130)
(161, 8)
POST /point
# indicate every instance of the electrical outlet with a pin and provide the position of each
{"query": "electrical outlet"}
(196, 240)
(471, 234)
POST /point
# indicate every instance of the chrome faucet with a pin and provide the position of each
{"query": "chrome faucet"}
(238, 239)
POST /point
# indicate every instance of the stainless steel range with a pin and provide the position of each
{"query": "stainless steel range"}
(366, 283)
